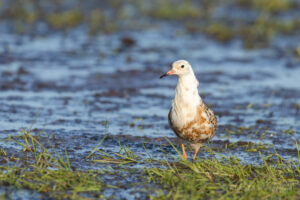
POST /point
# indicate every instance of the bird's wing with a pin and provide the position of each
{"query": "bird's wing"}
(211, 116)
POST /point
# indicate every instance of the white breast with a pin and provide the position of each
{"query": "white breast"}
(186, 101)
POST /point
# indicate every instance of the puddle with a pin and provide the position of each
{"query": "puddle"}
(86, 90)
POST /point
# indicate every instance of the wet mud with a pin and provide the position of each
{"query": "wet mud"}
(87, 88)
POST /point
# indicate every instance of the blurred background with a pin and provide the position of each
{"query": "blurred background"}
(255, 22)
(91, 68)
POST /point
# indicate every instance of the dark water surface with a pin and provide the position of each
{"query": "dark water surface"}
(88, 87)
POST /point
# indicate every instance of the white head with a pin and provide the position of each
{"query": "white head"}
(180, 68)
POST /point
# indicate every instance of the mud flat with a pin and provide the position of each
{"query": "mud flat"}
(86, 116)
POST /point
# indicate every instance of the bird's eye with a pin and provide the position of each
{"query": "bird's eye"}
(182, 66)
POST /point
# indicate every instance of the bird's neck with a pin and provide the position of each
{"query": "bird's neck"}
(187, 89)
(188, 80)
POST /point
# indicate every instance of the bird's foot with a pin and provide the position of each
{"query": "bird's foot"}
(194, 157)
(183, 151)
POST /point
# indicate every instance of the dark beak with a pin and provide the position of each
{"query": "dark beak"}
(171, 72)
(164, 75)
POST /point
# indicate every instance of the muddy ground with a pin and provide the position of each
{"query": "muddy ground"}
(95, 87)
(85, 88)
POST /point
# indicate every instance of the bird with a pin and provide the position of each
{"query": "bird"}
(189, 117)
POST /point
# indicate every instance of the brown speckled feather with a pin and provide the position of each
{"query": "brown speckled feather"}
(199, 130)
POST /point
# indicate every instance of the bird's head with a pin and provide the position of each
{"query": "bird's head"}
(179, 68)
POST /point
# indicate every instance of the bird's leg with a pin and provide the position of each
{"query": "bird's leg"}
(196, 148)
(195, 155)
(183, 151)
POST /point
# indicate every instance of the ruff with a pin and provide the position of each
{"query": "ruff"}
(189, 117)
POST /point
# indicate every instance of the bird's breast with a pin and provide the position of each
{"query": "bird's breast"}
(199, 127)
(182, 113)
(184, 107)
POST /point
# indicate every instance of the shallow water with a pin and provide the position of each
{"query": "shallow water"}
(90, 87)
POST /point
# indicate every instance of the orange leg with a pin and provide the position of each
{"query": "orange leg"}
(195, 155)
(196, 148)
(183, 151)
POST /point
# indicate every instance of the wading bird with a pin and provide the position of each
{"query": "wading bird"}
(189, 117)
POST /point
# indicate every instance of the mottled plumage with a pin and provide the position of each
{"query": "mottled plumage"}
(189, 117)
(201, 129)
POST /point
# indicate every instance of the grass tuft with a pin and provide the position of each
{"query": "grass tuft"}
(227, 178)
